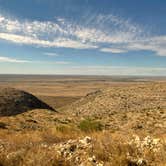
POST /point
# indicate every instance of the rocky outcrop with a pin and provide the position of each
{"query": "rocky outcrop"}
(77, 152)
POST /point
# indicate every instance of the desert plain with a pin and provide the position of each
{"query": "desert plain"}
(89, 121)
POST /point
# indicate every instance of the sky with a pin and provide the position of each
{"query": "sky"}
(83, 37)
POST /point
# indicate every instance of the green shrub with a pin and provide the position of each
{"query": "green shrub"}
(89, 125)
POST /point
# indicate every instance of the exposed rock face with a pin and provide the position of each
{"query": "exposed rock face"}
(13, 101)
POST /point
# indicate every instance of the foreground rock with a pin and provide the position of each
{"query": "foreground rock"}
(13, 101)
(147, 151)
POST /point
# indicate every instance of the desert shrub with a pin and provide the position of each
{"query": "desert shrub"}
(89, 125)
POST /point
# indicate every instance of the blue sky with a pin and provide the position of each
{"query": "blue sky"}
(89, 37)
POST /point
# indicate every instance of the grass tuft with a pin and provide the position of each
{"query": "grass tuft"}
(89, 125)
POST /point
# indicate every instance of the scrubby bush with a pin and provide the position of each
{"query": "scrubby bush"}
(89, 125)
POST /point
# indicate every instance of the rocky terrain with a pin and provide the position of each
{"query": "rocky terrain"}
(113, 126)
(138, 107)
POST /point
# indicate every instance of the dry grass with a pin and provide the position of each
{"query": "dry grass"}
(116, 150)
(32, 138)
(34, 156)
(35, 149)
(31, 148)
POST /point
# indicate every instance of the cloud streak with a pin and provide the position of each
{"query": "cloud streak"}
(61, 42)
(51, 54)
(105, 33)
(66, 33)
(113, 50)
(12, 60)
(4, 59)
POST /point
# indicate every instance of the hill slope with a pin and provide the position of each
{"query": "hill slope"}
(134, 107)
(13, 101)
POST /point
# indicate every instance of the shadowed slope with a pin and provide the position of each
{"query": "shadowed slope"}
(13, 101)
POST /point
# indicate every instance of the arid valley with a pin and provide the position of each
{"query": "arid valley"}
(82, 120)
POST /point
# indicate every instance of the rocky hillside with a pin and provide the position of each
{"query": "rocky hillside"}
(14, 102)
(134, 107)
(117, 126)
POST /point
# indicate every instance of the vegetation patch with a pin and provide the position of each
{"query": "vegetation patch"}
(89, 125)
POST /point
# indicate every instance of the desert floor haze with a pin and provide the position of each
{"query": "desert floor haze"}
(82, 120)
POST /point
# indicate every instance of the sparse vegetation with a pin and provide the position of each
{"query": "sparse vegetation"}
(125, 127)
(100, 148)
(89, 125)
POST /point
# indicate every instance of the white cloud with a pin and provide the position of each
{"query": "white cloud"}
(154, 44)
(61, 42)
(69, 43)
(107, 29)
(106, 33)
(113, 50)
(12, 60)
(1, 18)
(30, 28)
(64, 33)
(51, 54)
(44, 34)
